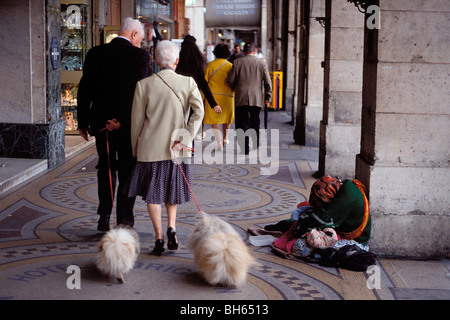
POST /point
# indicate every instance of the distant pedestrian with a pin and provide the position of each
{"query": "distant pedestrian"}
(249, 78)
(237, 53)
(259, 54)
(216, 75)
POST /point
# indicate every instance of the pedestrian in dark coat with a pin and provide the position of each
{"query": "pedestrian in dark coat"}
(105, 97)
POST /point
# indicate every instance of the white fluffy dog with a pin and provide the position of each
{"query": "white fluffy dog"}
(219, 252)
(118, 251)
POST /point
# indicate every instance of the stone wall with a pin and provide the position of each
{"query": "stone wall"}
(15, 80)
(30, 108)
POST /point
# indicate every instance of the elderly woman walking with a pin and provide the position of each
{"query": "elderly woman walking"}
(161, 110)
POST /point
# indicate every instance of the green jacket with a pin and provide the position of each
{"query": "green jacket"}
(348, 213)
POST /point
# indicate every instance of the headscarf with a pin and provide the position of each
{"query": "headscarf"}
(323, 190)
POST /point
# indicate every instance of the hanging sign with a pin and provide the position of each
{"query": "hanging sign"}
(231, 13)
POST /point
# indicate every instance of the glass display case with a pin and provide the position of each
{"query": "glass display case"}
(109, 33)
(75, 42)
(69, 106)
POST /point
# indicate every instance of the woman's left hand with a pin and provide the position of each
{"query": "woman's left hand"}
(177, 146)
(218, 109)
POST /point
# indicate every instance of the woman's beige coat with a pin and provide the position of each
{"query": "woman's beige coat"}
(157, 114)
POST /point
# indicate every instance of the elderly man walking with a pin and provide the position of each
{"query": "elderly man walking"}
(105, 97)
(249, 78)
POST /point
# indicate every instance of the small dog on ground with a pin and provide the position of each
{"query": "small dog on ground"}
(118, 252)
(219, 252)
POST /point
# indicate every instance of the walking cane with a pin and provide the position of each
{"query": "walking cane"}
(266, 114)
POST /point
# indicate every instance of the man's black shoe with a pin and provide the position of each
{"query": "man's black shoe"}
(103, 224)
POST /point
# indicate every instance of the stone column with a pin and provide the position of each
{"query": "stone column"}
(404, 159)
(30, 108)
(289, 77)
(341, 124)
(314, 108)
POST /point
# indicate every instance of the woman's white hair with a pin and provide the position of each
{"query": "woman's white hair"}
(167, 53)
(129, 24)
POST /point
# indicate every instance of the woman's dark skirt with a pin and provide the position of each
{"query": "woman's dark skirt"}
(161, 182)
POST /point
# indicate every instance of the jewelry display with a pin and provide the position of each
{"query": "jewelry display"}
(74, 43)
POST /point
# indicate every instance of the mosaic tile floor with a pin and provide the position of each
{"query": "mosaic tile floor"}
(49, 223)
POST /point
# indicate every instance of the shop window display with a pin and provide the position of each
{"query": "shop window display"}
(74, 43)
(69, 105)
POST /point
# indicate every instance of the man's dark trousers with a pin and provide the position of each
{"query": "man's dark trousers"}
(122, 164)
(247, 117)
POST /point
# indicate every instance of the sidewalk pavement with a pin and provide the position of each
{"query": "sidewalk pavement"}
(48, 223)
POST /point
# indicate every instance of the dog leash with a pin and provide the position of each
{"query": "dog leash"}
(185, 179)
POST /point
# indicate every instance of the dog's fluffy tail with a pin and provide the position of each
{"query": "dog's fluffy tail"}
(118, 251)
(224, 259)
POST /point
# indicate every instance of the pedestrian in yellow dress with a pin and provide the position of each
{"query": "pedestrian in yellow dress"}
(216, 75)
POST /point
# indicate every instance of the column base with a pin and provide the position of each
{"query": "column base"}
(410, 217)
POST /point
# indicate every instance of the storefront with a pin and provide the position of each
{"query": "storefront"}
(74, 43)
(45, 44)
(233, 22)
(159, 15)
(76, 40)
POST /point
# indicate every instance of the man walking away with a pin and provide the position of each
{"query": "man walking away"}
(249, 78)
(105, 97)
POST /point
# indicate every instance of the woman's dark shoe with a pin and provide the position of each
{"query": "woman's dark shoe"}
(159, 247)
(172, 243)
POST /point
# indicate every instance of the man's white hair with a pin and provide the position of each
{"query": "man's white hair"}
(167, 53)
(129, 24)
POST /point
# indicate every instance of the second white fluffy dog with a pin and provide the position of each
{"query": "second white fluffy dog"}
(219, 252)
(118, 252)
